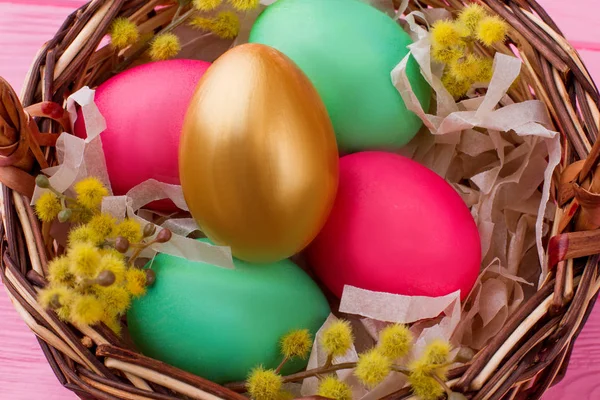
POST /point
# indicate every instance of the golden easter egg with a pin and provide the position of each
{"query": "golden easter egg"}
(258, 159)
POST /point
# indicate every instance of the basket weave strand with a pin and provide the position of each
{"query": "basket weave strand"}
(529, 354)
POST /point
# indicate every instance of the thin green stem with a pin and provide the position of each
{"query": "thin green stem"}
(318, 371)
(113, 241)
(241, 386)
(63, 197)
(70, 199)
(178, 12)
(56, 192)
(174, 24)
(315, 372)
(78, 209)
(140, 247)
(403, 371)
(179, 21)
(165, 218)
(137, 253)
(443, 384)
(280, 366)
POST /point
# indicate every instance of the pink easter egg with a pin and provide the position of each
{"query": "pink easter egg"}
(144, 108)
(396, 227)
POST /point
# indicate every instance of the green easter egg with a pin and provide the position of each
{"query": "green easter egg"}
(220, 323)
(348, 50)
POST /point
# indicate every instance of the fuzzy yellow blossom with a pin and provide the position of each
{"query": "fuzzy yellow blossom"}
(226, 24)
(130, 229)
(434, 360)
(421, 366)
(164, 46)
(64, 312)
(470, 16)
(332, 388)
(136, 281)
(296, 344)
(103, 224)
(86, 310)
(123, 33)
(84, 260)
(115, 299)
(424, 386)
(466, 68)
(111, 251)
(59, 271)
(446, 33)
(82, 215)
(372, 368)
(337, 338)
(437, 352)
(492, 30)
(115, 264)
(456, 88)
(56, 297)
(47, 207)
(202, 23)
(206, 5)
(447, 55)
(264, 384)
(244, 5)
(485, 70)
(84, 234)
(395, 341)
(90, 192)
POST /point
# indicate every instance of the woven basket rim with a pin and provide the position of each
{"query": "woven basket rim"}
(523, 360)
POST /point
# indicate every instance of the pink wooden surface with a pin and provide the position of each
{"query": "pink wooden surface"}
(26, 24)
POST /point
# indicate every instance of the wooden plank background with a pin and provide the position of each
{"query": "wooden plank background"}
(26, 24)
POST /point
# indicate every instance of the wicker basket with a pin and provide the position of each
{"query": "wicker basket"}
(529, 354)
